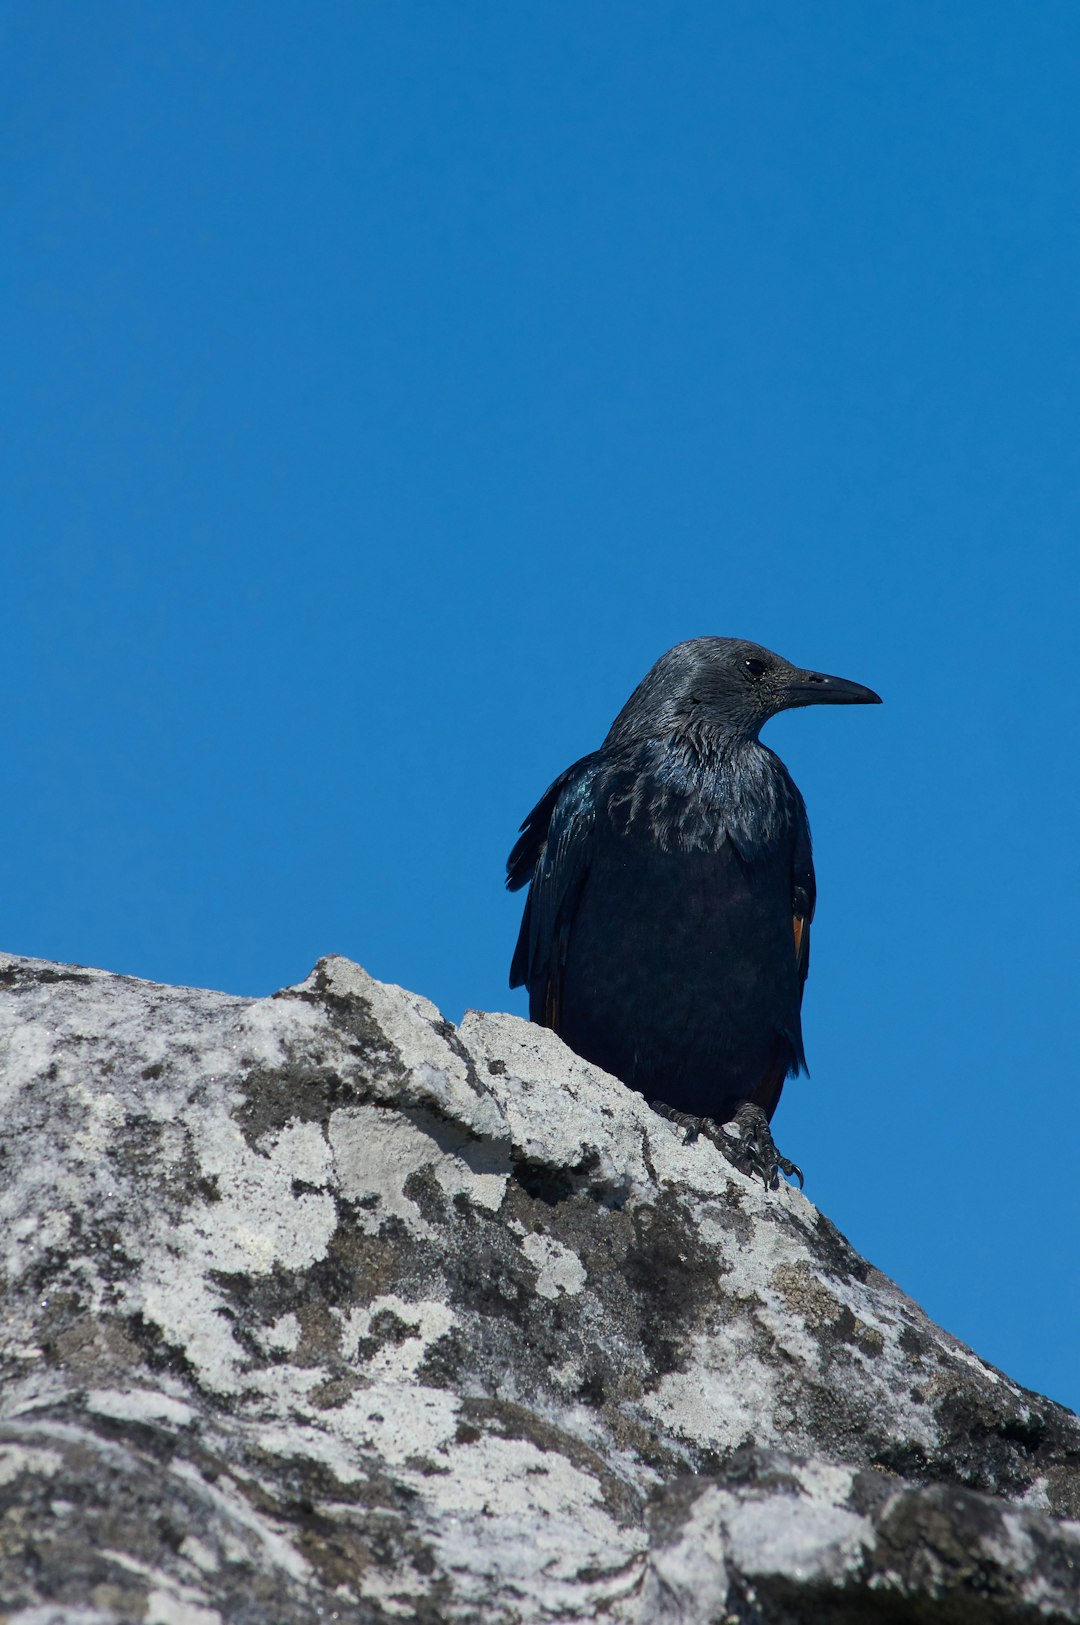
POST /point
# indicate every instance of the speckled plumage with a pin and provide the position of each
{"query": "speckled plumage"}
(666, 933)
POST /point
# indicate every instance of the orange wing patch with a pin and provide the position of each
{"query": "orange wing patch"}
(800, 932)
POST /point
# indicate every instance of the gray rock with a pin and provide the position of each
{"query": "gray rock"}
(318, 1308)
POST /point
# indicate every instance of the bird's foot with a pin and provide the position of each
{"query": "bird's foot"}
(691, 1124)
(751, 1148)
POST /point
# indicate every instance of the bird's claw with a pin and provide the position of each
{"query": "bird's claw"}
(754, 1149)
(751, 1149)
(790, 1170)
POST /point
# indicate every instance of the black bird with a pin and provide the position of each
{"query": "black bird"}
(666, 936)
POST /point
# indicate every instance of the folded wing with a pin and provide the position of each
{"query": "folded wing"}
(552, 855)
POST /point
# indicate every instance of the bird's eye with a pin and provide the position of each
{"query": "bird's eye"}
(756, 668)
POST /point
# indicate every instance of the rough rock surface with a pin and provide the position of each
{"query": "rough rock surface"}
(318, 1308)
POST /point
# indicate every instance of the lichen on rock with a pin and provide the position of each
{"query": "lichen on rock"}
(317, 1308)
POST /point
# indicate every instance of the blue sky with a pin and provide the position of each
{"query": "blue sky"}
(387, 385)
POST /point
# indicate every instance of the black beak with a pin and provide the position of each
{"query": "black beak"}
(814, 688)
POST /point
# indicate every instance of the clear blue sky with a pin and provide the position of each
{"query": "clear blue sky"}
(387, 385)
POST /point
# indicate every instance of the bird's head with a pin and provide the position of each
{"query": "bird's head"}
(727, 688)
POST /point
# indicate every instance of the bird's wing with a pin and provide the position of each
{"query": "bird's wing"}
(803, 893)
(790, 1057)
(553, 853)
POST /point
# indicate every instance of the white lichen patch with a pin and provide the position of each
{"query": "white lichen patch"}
(283, 1335)
(424, 1321)
(806, 1538)
(188, 1315)
(16, 1459)
(391, 1421)
(825, 1480)
(559, 1270)
(400, 1421)
(173, 1607)
(285, 1387)
(140, 1405)
(198, 1553)
(724, 1398)
(256, 1220)
(377, 1151)
(302, 1148)
(255, 1224)
(268, 1031)
(543, 1526)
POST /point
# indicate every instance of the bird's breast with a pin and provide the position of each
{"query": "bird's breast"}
(686, 800)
